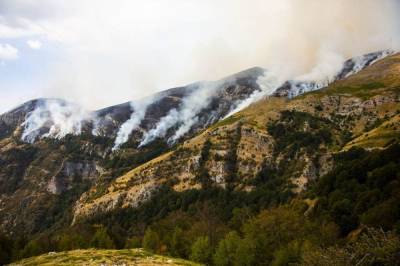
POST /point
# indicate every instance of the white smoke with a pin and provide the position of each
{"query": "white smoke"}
(268, 83)
(192, 105)
(139, 111)
(361, 61)
(329, 66)
(139, 47)
(60, 117)
(326, 71)
(329, 63)
(187, 114)
(162, 127)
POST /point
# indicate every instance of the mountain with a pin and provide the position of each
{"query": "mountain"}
(57, 118)
(41, 116)
(240, 146)
(200, 172)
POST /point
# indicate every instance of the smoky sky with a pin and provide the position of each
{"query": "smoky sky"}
(102, 52)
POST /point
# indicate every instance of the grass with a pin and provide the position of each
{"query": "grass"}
(98, 257)
(363, 91)
(227, 121)
(378, 137)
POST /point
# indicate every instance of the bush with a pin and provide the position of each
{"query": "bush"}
(71, 242)
(133, 242)
(374, 247)
(201, 250)
(151, 241)
(6, 247)
(101, 239)
(178, 243)
(288, 255)
(226, 250)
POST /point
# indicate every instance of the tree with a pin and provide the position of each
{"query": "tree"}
(239, 217)
(6, 247)
(133, 242)
(374, 247)
(70, 242)
(31, 249)
(271, 230)
(201, 250)
(178, 243)
(288, 255)
(151, 241)
(226, 250)
(246, 253)
(101, 239)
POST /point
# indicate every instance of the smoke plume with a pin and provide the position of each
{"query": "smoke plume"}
(268, 83)
(113, 51)
(138, 112)
(60, 117)
(186, 115)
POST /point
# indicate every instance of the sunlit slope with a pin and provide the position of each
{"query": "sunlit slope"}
(102, 257)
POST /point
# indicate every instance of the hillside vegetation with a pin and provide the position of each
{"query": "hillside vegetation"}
(312, 180)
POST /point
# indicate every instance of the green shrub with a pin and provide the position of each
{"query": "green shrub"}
(226, 250)
(101, 239)
(201, 250)
(151, 241)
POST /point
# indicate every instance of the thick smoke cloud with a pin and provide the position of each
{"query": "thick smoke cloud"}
(60, 117)
(115, 51)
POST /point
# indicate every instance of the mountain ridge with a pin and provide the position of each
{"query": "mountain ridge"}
(108, 122)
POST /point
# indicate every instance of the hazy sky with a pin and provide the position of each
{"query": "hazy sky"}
(103, 52)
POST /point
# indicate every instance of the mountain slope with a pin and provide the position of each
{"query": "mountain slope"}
(303, 133)
(71, 150)
(270, 152)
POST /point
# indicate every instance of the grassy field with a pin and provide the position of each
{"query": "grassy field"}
(102, 257)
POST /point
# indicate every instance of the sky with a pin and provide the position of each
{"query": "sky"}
(103, 52)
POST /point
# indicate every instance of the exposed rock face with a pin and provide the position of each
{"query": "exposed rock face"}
(72, 173)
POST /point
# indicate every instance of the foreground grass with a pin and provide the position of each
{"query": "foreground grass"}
(102, 257)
